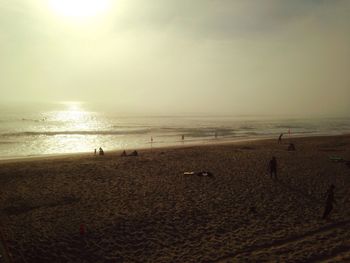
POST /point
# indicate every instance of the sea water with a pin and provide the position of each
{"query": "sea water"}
(73, 129)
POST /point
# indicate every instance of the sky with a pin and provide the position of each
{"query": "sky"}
(230, 57)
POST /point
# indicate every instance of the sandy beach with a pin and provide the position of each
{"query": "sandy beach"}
(86, 208)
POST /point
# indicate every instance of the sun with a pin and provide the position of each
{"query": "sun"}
(79, 9)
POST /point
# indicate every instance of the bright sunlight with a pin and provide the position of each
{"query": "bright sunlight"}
(80, 9)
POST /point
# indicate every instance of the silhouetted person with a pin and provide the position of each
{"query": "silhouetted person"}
(280, 138)
(273, 167)
(123, 153)
(291, 147)
(100, 151)
(329, 201)
(95, 152)
(134, 153)
(182, 137)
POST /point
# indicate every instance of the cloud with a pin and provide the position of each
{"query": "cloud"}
(224, 18)
(230, 57)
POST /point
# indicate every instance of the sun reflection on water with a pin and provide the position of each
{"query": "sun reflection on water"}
(72, 112)
(73, 118)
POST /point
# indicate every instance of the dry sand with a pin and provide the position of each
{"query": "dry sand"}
(143, 209)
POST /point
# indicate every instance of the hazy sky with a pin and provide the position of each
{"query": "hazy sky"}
(183, 56)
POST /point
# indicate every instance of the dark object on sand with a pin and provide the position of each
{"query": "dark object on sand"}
(329, 202)
(101, 152)
(273, 167)
(134, 153)
(124, 154)
(291, 147)
(204, 173)
(347, 163)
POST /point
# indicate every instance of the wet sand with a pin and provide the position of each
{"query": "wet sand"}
(143, 209)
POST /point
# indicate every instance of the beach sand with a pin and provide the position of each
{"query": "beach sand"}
(144, 209)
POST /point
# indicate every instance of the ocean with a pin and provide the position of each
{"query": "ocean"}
(72, 128)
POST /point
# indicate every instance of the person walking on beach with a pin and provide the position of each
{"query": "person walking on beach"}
(280, 138)
(273, 167)
(329, 202)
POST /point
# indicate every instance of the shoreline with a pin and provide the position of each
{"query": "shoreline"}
(186, 144)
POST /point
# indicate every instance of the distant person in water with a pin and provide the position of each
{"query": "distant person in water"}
(101, 152)
(329, 202)
(280, 138)
(95, 152)
(273, 167)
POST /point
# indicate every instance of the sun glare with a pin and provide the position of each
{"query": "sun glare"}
(79, 8)
(72, 112)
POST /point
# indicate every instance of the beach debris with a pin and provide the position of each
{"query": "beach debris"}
(189, 173)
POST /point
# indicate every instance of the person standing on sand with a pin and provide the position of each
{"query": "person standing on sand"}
(329, 202)
(273, 167)
(101, 152)
(280, 138)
